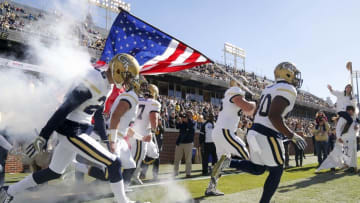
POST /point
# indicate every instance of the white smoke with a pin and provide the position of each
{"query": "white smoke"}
(168, 190)
(26, 102)
(175, 193)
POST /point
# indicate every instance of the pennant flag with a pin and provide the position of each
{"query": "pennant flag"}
(156, 51)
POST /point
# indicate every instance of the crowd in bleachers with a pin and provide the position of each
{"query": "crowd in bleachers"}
(255, 83)
(20, 19)
(173, 107)
(16, 18)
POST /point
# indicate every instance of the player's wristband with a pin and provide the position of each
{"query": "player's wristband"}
(112, 135)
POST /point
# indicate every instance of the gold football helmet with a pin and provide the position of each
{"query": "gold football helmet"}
(144, 85)
(153, 91)
(287, 71)
(124, 68)
(134, 85)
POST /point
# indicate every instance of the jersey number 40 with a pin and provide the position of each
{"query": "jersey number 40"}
(264, 105)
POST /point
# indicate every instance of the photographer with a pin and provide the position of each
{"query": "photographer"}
(184, 142)
(321, 134)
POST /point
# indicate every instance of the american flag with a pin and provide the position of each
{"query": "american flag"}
(156, 51)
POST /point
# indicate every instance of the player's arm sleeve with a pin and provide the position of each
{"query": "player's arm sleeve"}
(99, 126)
(287, 93)
(155, 107)
(129, 98)
(73, 100)
(236, 92)
(4, 143)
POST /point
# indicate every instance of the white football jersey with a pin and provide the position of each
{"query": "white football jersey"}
(228, 117)
(133, 100)
(99, 86)
(142, 124)
(282, 89)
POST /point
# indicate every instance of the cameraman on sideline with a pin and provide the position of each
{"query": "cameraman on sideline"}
(321, 134)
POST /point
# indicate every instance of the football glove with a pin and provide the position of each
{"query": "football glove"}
(36, 147)
(299, 141)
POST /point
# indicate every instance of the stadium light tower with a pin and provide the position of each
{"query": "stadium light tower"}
(356, 75)
(236, 52)
(111, 6)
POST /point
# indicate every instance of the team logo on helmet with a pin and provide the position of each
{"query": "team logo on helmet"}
(287, 71)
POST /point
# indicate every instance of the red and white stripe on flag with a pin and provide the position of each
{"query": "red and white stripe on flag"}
(176, 57)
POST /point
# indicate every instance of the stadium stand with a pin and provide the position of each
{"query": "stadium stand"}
(199, 89)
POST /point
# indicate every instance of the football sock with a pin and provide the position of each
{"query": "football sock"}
(247, 166)
(271, 183)
(98, 173)
(127, 174)
(119, 191)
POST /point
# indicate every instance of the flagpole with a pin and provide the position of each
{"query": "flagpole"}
(242, 86)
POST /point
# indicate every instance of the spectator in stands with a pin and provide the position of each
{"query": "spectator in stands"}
(207, 144)
(321, 133)
(184, 142)
(172, 120)
(164, 120)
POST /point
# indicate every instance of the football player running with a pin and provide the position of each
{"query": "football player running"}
(71, 120)
(269, 129)
(225, 140)
(144, 129)
(122, 113)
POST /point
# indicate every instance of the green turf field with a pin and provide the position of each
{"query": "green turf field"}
(297, 185)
